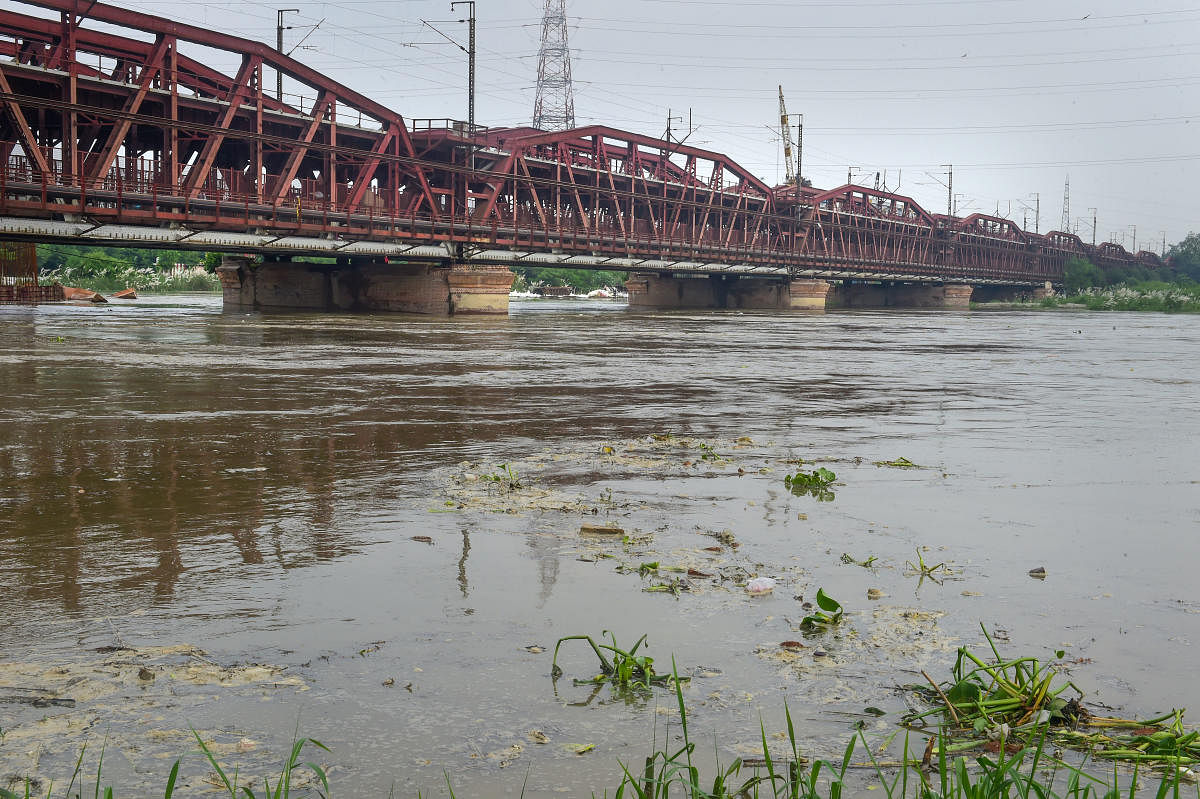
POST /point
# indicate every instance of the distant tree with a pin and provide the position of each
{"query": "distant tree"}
(90, 259)
(580, 280)
(1185, 257)
(1080, 274)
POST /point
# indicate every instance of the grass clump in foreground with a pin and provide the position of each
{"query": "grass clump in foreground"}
(1012, 709)
(221, 778)
(1022, 768)
(986, 701)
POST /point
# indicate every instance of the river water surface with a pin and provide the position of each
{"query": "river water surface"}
(187, 496)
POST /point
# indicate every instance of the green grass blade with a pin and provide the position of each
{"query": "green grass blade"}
(231, 787)
(170, 790)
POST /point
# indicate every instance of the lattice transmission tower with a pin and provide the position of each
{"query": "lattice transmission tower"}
(554, 106)
(1066, 220)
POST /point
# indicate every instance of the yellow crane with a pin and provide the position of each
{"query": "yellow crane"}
(785, 130)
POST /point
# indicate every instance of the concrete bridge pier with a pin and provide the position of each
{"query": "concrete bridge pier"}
(1013, 293)
(707, 291)
(900, 295)
(809, 295)
(375, 285)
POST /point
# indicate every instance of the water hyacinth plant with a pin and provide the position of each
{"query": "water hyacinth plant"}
(815, 483)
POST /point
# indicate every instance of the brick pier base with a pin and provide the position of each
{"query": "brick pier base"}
(401, 288)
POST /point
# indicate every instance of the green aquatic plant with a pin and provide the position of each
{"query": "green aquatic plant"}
(924, 569)
(504, 476)
(818, 478)
(626, 669)
(815, 483)
(827, 613)
(985, 699)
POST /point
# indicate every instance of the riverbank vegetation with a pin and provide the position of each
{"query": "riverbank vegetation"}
(1150, 296)
(581, 281)
(1173, 288)
(108, 269)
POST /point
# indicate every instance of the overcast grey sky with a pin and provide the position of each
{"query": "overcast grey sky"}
(1017, 94)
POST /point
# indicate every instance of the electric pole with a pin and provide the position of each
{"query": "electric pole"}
(670, 136)
(1093, 210)
(470, 73)
(949, 189)
(1066, 216)
(799, 154)
(279, 29)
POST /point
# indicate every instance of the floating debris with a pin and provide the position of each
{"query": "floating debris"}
(588, 528)
(760, 585)
(899, 463)
(70, 293)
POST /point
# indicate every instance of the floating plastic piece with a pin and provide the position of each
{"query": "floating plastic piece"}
(760, 585)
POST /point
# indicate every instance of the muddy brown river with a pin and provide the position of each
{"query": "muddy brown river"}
(367, 528)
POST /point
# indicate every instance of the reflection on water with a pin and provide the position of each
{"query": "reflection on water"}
(253, 484)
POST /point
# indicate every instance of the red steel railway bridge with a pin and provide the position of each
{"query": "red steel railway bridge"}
(116, 129)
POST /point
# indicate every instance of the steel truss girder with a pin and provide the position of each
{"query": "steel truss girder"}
(225, 121)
